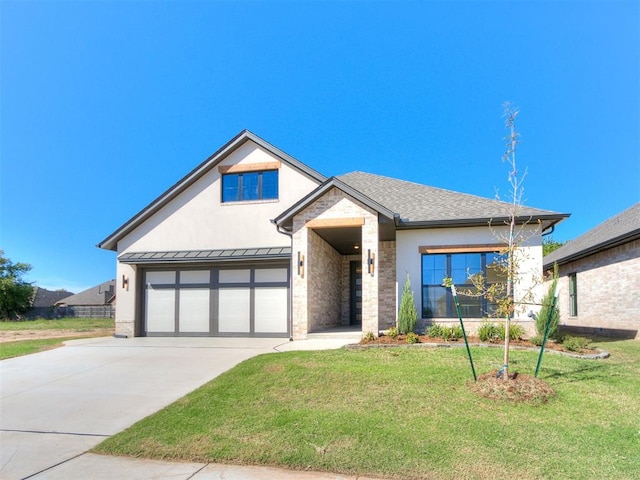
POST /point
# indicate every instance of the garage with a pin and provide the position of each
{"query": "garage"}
(243, 300)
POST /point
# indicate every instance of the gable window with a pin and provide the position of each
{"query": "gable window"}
(248, 186)
(437, 301)
(573, 295)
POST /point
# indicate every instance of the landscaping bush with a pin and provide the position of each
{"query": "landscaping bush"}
(451, 333)
(543, 315)
(489, 332)
(434, 331)
(392, 332)
(369, 337)
(516, 332)
(412, 338)
(536, 340)
(575, 344)
(408, 315)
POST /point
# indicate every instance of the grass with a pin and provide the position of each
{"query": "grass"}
(404, 413)
(27, 347)
(77, 324)
(69, 328)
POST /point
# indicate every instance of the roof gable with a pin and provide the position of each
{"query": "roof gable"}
(619, 229)
(111, 242)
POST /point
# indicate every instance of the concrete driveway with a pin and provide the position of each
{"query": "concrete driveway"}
(55, 405)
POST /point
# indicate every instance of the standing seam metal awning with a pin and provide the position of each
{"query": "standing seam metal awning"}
(183, 256)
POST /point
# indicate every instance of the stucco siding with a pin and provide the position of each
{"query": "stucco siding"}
(529, 279)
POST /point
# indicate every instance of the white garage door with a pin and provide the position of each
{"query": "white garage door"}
(217, 301)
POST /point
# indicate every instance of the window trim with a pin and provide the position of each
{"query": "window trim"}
(240, 175)
(482, 250)
(573, 294)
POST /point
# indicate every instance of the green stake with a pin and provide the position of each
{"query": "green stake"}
(464, 334)
(546, 329)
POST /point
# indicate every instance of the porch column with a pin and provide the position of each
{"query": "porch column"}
(299, 261)
(370, 275)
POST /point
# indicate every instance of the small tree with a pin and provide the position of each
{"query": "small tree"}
(549, 245)
(16, 295)
(408, 315)
(547, 302)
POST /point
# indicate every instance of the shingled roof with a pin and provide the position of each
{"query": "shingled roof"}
(620, 229)
(102, 294)
(421, 205)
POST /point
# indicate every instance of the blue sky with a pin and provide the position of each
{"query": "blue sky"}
(104, 105)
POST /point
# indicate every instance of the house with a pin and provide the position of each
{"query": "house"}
(44, 301)
(97, 302)
(599, 277)
(254, 242)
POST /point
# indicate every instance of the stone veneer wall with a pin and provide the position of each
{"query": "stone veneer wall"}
(324, 284)
(608, 285)
(387, 296)
(334, 204)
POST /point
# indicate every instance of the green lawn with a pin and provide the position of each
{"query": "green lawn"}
(405, 413)
(26, 337)
(77, 324)
(26, 347)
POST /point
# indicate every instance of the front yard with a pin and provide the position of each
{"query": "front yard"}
(405, 413)
(32, 336)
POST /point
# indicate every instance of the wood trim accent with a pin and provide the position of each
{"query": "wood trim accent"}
(248, 167)
(488, 247)
(335, 222)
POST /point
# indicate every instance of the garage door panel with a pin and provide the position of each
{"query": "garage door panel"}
(194, 310)
(234, 310)
(271, 310)
(161, 308)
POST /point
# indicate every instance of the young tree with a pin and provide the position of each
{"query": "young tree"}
(512, 235)
(549, 245)
(15, 294)
(407, 315)
(547, 302)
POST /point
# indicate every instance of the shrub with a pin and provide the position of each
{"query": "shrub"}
(412, 338)
(516, 331)
(575, 344)
(369, 337)
(408, 315)
(489, 332)
(434, 331)
(543, 314)
(536, 340)
(392, 332)
(452, 333)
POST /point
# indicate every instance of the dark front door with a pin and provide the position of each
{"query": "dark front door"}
(355, 293)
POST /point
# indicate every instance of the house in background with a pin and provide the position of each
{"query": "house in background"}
(600, 277)
(254, 242)
(95, 302)
(44, 301)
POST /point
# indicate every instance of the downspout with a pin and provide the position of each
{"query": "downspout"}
(553, 227)
(290, 235)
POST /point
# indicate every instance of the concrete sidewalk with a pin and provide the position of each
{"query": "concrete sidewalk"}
(92, 466)
(56, 405)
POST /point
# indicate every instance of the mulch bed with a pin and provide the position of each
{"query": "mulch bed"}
(522, 343)
(519, 388)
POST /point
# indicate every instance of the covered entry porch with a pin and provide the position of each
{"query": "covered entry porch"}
(343, 272)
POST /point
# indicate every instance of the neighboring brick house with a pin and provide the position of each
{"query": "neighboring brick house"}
(253, 242)
(600, 277)
(96, 302)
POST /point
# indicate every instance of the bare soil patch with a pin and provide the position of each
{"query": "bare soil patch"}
(17, 335)
(519, 387)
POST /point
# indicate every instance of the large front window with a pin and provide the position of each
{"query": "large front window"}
(437, 301)
(248, 186)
